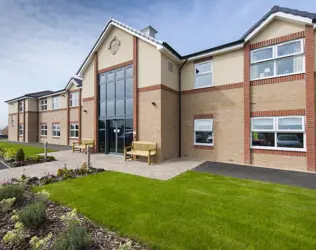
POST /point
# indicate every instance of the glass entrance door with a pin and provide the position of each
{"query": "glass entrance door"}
(116, 136)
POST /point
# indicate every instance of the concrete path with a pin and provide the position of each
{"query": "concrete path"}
(164, 171)
(293, 178)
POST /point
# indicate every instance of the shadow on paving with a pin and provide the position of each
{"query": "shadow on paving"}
(293, 178)
(2, 166)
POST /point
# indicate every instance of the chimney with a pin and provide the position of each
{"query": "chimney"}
(149, 31)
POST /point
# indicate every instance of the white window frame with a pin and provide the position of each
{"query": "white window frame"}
(74, 99)
(205, 73)
(44, 128)
(276, 131)
(73, 130)
(275, 58)
(43, 104)
(198, 130)
(21, 107)
(21, 129)
(13, 120)
(56, 128)
(56, 102)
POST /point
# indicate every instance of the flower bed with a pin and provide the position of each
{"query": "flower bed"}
(31, 221)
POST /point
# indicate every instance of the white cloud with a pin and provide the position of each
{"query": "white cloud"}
(43, 43)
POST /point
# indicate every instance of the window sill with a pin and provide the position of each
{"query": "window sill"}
(208, 86)
(56, 137)
(74, 138)
(281, 149)
(204, 146)
(43, 136)
(277, 76)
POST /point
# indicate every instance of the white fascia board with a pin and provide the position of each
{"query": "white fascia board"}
(216, 52)
(19, 99)
(53, 94)
(164, 50)
(279, 15)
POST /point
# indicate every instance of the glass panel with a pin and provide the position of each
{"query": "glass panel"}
(290, 123)
(102, 95)
(129, 106)
(129, 72)
(101, 124)
(292, 140)
(120, 136)
(120, 89)
(102, 141)
(119, 74)
(129, 87)
(102, 109)
(204, 137)
(128, 132)
(263, 139)
(112, 136)
(290, 65)
(203, 67)
(203, 125)
(203, 80)
(101, 78)
(110, 108)
(289, 48)
(262, 54)
(110, 76)
(110, 91)
(120, 107)
(263, 124)
(261, 70)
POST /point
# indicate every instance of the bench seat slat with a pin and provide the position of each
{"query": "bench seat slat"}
(140, 153)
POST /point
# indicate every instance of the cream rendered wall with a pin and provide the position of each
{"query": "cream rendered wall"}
(125, 52)
(31, 105)
(149, 65)
(187, 76)
(13, 107)
(277, 28)
(88, 81)
(168, 78)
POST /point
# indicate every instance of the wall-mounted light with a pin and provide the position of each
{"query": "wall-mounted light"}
(63, 95)
(85, 111)
(154, 104)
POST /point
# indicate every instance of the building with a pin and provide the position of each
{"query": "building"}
(251, 101)
(4, 132)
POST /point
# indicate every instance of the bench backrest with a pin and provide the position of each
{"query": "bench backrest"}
(87, 142)
(144, 145)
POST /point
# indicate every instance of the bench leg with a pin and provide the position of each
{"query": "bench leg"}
(149, 158)
(124, 154)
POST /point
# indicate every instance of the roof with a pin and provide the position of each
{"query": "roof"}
(32, 95)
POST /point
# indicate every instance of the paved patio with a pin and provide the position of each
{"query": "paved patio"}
(164, 171)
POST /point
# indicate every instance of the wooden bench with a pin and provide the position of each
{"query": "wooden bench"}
(141, 148)
(83, 144)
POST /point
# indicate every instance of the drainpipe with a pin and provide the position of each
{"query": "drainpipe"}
(180, 96)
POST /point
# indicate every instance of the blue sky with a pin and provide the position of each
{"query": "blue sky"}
(43, 43)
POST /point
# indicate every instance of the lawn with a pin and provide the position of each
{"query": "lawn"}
(28, 150)
(195, 210)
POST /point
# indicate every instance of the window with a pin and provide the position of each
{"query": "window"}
(203, 132)
(44, 104)
(21, 129)
(43, 129)
(74, 130)
(287, 133)
(203, 74)
(56, 102)
(281, 59)
(56, 130)
(21, 106)
(13, 120)
(74, 99)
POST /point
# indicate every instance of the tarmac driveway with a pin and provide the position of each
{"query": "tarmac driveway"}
(2, 166)
(293, 178)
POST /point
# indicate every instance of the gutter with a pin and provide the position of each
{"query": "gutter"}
(180, 103)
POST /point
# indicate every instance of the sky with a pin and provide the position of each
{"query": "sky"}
(44, 42)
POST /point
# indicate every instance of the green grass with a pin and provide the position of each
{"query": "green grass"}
(28, 150)
(195, 210)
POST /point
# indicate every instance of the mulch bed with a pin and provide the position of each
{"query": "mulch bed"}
(30, 161)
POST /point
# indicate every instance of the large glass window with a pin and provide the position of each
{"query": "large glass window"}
(116, 93)
(278, 132)
(203, 132)
(281, 59)
(203, 74)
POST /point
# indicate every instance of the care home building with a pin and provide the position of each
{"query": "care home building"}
(251, 101)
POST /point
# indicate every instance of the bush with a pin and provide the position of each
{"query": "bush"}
(51, 158)
(12, 191)
(33, 215)
(74, 238)
(6, 204)
(9, 153)
(40, 244)
(20, 156)
(16, 235)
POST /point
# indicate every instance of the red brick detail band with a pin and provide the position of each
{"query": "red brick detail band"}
(278, 152)
(88, 99)
(278, 112)
(117, 66)
(246, 85)
(310, 98)
(277, 40)
(203, 147)
(278, 79)
(157, 87)
(214, 88)
(204, 116)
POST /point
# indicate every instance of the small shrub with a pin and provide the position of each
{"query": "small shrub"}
(9, 153)
(40, 244)
(38, 158)
(12, 191)
(70, 218)
(83, 169)
(75, 237)
(51, 158)
(33, 215)
(16, 235)
(6, 204)
(126, 246)
(43, 195)
(20, 156)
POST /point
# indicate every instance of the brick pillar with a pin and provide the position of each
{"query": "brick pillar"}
(247, 159)
(68, 118)
(310, 98)
(79, 115)
(135, 88)
(96, 106)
